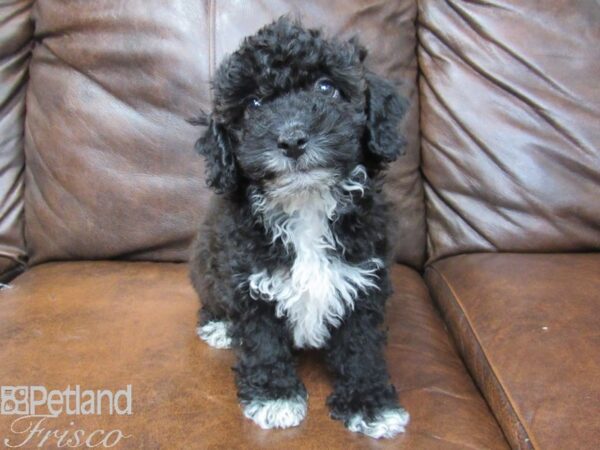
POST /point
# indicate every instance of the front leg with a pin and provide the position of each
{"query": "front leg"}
(268, 387)
(363, 397)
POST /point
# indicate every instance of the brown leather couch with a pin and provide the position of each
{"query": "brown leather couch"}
(494, 327)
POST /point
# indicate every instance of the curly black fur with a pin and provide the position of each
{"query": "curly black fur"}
(270, 89)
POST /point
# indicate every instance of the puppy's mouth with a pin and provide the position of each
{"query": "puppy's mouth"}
(308, 170)
(303, 170)
(305, 179)
(311, 159)
(279, 164)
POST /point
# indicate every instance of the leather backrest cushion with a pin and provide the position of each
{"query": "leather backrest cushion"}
(111, 169)
(510, 120)
(16, 31)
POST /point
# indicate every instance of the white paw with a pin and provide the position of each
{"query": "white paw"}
(387, 424)
(281, 413)
(215, 334)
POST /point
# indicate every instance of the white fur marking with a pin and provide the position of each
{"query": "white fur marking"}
(386, 425)
(319, 288)
(352, 184)
(215, 334)
(280, 413)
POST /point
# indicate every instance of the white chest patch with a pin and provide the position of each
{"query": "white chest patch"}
(320, 287)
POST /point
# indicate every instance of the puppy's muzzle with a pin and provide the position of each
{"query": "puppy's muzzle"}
(292, 141)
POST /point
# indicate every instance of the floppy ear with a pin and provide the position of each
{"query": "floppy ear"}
(385, 108)
(216, 146)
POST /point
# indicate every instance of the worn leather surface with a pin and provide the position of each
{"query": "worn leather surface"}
(16, 31)
(528, 329)
(109, 153)
(104, 325)
(510, 107)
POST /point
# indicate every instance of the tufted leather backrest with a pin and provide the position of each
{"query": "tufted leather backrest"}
(16, 30)
(510, 100)
(111, 170)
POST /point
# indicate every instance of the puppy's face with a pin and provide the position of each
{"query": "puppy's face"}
(310, 126)
(290, 104)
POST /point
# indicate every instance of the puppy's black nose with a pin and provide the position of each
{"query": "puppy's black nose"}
(293, 142)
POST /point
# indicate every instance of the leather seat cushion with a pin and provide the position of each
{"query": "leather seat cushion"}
(529, 330)
(104, 325)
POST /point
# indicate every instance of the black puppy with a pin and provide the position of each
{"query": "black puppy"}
(293, 253)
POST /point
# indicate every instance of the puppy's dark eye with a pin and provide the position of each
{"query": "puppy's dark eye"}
(326, 87)
(253, 102)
